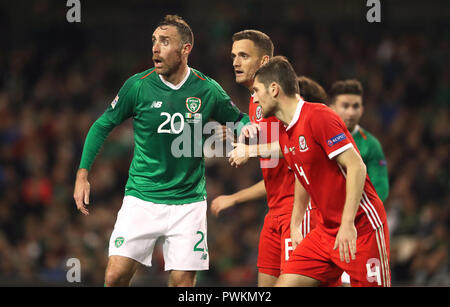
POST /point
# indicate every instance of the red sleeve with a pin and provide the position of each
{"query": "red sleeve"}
(329, 132)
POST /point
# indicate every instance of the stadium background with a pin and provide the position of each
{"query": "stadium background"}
(57, 77)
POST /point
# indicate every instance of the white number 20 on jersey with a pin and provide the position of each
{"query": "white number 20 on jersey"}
(170, 121)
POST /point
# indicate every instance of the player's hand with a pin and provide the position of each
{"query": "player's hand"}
(249, 131)
(239, 155)
(222, 133)
(220, 203)
(296, 236)
(81, 191)
(346, 241)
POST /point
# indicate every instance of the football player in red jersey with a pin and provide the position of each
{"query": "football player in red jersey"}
(251, 49)
(352, 235)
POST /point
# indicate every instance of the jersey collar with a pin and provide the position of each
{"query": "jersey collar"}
(356, 129)
(179, 85)
(252, 96)
(300, 104)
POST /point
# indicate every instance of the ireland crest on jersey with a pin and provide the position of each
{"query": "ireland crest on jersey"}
(193, 104)
(119, 241)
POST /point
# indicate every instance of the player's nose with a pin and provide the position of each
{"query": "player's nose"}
(155, 48)
(236, 62)
(349, 112)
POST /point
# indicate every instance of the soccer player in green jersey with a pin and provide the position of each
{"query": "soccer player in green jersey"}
(346, 99)
(165, 195)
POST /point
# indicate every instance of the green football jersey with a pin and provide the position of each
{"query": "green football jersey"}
(168, 121)
(373, 156)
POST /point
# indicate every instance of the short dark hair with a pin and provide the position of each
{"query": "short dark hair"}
(279, 70)
(187, 37)
(345, 87)
(261, 40)
(311, 91)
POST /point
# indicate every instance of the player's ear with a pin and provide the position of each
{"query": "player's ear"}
(265, 59)
(274, 89)
(186, 49)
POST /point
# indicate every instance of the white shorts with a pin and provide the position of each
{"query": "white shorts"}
(140, 223)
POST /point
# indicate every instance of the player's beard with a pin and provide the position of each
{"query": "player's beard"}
(351, 124)
(268, 110)
(171, 66)
(246, 79)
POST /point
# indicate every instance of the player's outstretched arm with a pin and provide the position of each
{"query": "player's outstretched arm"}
(222, 202)
(82, 190)
(355, 170)
(94, 140)
(242, 152)
(301, 199)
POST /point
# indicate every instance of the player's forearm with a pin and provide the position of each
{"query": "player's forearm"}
(301, 199)
(94, 141)
(355, 180)
(242, 121)
(269, 150)
(254, 192)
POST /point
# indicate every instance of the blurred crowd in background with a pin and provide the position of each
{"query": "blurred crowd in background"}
(56, 78)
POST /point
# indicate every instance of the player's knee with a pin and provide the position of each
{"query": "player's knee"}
(181, 279)
(117, 279)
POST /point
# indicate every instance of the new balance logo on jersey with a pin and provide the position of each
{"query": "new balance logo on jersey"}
(156, 105)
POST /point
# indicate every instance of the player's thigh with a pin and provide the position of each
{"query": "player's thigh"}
(269, 248)
(295, 280)
(185, 246)
(137, 228)
(266, 280)
(371, 266)
(311, 258)
(120, 270)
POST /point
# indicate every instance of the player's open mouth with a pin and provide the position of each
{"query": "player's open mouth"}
(157, 62)
(238, 72)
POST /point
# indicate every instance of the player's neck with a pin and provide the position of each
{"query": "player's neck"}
(287, 109)
(178, 75)
(249, 86)
(355, 129)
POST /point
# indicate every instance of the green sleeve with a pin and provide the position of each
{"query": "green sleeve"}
(226, 111)
(121, 108)
(377, 169)
(94, 140)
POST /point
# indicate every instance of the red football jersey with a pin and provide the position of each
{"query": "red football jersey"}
(314, 137)
(278, 179)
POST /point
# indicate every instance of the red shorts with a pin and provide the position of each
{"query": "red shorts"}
(275, 244)
(315, 257)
